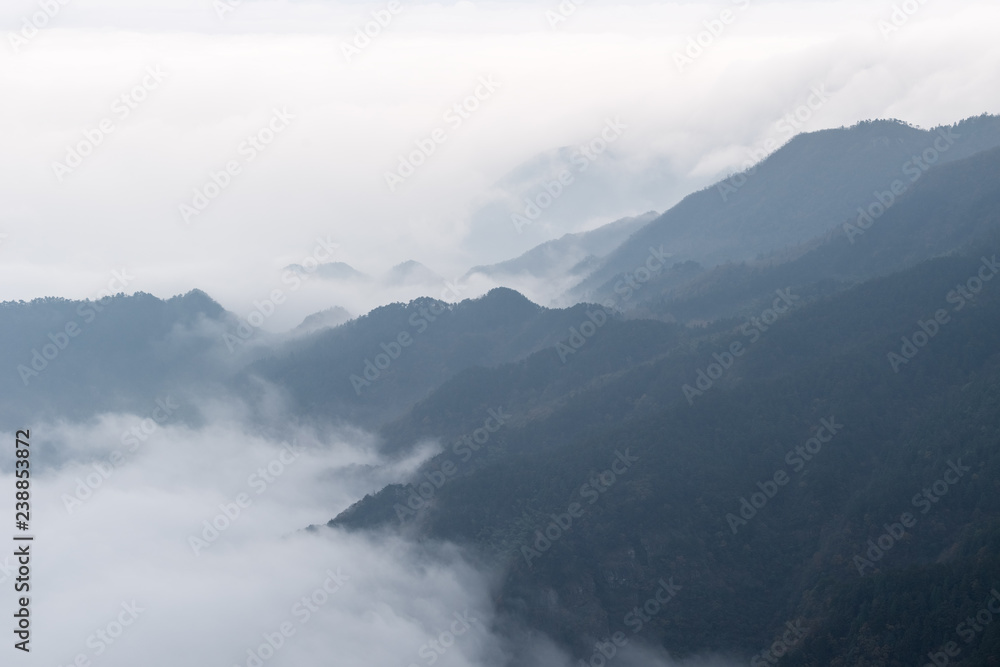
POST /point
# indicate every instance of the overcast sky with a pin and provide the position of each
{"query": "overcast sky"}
(345, 117)
(115, 113)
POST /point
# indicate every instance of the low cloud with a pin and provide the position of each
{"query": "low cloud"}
(119, 576)
(112, 535)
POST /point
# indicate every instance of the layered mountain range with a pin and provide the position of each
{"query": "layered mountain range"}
(776, 405)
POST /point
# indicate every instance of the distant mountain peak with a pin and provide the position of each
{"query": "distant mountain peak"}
(412, 272)
(329, 318)
(336, 271)
(504, 300)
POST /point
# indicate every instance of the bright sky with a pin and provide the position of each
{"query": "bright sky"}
(330, 122)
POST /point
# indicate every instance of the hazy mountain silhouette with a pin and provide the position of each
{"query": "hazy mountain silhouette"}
(748, 429)
(812, 184)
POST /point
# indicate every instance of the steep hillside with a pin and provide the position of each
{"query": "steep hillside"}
(809, 186)
(752, 492)
(375, 367)
(74, 358)
(953, 207)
